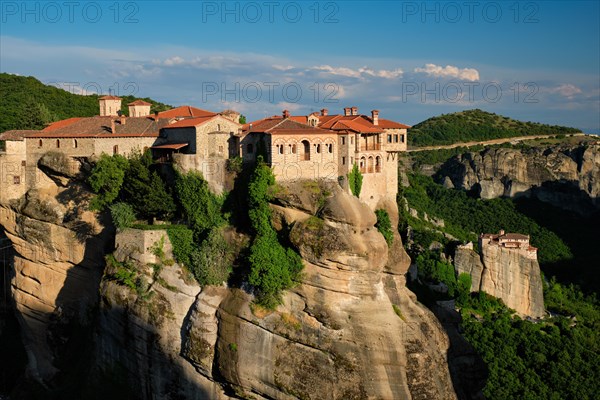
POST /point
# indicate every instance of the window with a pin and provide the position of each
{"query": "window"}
(219, 127)
(343, 140)
(23, 163)
(75, 143)
(58, 143)
(389, 138)
(343, 160)
(402, 138)
(249, 148)
(17, 180)
(40, 143)
(330, 147)
(306, 146)
(115, 149)
(220, 149)
(279, 149)
(396, 138)
(293, 148)
(378, 164)
(351, 139)
(318, 146)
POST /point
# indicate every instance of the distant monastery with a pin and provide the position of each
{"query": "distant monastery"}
(315, 146)
(515, 241)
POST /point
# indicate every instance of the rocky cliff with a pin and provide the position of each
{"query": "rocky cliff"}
(350, 329)
(565, 176)
(504, 273)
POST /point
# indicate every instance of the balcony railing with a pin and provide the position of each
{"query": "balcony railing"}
(370, 147)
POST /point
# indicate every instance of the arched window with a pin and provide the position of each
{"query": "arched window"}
(371, 166)
(306, 154)
(378, 164)
(362, 164)
(330, 147)
(318, 147)
(40, 143)
(58, 143)
(219, 127)
(115, 149)
(279, 149)
(75, 143)
(249, 148)
(294, 149)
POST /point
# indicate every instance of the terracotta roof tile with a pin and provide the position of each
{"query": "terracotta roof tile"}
(101, 127)
(185, 111)
(139, 103)
(110, 98)
(17, 134)
(190, 122)
(60, 124)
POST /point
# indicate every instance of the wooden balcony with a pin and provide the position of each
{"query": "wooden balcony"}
(370, 147)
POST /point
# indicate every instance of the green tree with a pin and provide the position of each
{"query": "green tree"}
(355, 179)
(242, 119)
(384, 225)
(106, 179)
(211, 264)
(145, 190)
(122, 214)
(201, 208)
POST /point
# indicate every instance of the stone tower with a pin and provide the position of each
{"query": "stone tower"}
(109, 106)
(139, 108)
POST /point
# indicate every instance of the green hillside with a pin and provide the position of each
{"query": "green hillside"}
(476, 125)
(27, 103)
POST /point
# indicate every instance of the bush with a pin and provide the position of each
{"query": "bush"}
(201, 208)
(235, 164)
(384, 225)
(355, 179)
(211, 263)
(123, 215)
(106, 179)
(273, 268)
(182, 240)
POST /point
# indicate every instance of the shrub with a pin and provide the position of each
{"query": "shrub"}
(182, 240)
(355, 179)
(201, 208)
(235, 164)
(106, 179)
(123, 215)
(211, 263)
(384, 225)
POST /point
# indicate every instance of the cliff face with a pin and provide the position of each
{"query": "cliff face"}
(350, 329)
(567, 177)
(59, 249)
(506, 274)
(337, 336)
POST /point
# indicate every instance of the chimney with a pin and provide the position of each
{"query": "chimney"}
(123, 120)
(113, 130)
(354, 110)
(347, 111)
(286, 114)
(375, 117)
(501, 232)
(324, 112)
(156, 115)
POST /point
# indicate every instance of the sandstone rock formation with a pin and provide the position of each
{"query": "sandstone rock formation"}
(567, 177)
(507, 274)
(350, 329)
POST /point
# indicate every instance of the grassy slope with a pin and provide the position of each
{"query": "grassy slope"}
(476, 125)
(23, 99)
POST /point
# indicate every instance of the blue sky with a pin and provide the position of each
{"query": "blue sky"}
(535, 61)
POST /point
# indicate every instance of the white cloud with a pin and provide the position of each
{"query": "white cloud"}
(567, 90)
(449, 71)
(358, 73)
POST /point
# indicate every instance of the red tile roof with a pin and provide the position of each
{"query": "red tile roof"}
(101, 127)
(278, 125)
(185, 111)
(139, 103)
(388, 124)
(60, 124)
(16, 135)
(110, 98)
(174, 146)
(190, 122)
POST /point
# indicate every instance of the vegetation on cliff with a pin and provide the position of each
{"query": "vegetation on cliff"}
(476, 125)
(273, 267)
(27, 103)
(554, 358)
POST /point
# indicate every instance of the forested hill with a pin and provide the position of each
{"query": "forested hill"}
(27, 103)
(476, 125)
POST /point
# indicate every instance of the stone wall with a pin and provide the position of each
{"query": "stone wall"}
(137, 244)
